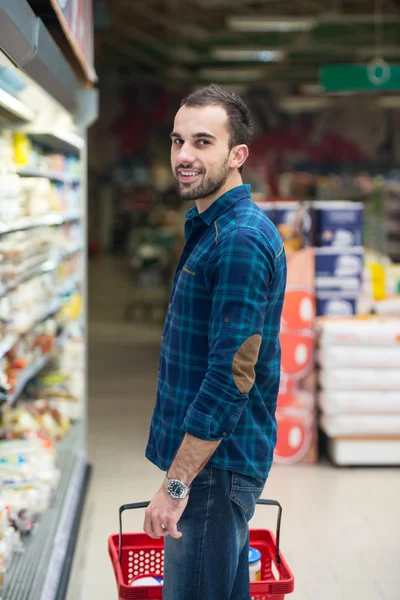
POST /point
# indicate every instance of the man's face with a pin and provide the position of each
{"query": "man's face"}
(200, 152)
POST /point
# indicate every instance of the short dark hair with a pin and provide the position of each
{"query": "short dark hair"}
(240, 122)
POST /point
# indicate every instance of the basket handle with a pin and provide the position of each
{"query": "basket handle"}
(136, 505)
(121, 510)
(278, 525)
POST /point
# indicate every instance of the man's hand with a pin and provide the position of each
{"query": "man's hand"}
(163, 514)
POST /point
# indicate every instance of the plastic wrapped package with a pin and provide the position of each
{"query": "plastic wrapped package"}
(36, 193)
(376, 331)
(30, 301)
(30, 461)
(348, 425)
(42, 418)
(360, 357)
(11, 203)
(334, 402)
(360, 379)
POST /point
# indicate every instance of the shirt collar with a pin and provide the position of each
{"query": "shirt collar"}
(221, 205)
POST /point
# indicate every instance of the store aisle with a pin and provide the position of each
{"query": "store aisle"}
(340, 526)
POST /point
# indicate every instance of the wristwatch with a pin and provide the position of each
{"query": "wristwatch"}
(176, 489)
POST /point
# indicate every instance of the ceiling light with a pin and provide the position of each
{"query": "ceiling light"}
(230, 74)
(382, 51)
(389, 102)
(301, 104)
(15, 107)
(233, 54)
(236, 88)
(312, 89)
(346, 19)
(284, 24)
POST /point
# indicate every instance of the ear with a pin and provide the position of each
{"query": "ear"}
(239, 156)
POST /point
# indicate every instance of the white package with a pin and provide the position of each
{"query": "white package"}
(355, 425)
(360, 379)
(334, 402)
(359, 452)
(377, 331)
(360, 356)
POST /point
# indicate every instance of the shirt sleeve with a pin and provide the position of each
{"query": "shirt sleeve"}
(239, 273)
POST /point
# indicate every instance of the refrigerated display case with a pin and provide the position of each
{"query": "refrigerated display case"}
(44, 115)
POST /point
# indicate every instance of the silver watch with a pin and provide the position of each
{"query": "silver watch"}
(176, 489)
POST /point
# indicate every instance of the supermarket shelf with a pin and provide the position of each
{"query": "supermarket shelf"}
(13, 109)
(27, 375)
(12, 338)
(34, 222)
(38, 573)
(45, 267)
(63, 141)
(32, 370)
(52, 175)
(29, 274)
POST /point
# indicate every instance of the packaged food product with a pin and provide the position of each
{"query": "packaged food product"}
(358, 331)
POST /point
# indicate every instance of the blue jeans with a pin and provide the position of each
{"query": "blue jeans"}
(210, 561)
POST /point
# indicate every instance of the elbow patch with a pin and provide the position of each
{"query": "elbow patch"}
(244, 362)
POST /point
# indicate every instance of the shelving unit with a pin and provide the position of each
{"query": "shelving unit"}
(36, 574)
(55, 125)
(46, 266)
(52, 175)
(26, 223)
(12, 338)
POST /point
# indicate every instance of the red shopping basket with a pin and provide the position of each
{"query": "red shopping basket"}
(136, 554)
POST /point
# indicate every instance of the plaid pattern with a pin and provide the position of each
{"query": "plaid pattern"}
(229, 286)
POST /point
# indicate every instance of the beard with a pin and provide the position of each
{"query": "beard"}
(210, 184)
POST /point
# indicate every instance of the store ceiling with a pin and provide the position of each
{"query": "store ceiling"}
(242, 41)
(282, 43)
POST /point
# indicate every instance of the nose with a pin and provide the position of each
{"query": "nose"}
(185, 156)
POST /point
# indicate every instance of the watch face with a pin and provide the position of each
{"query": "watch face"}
(176, 489)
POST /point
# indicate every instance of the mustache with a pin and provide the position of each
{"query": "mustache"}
(188, 167)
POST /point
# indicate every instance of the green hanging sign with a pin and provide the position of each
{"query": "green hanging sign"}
(377, 76)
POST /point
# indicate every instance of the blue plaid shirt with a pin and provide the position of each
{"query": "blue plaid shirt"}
(220, 351)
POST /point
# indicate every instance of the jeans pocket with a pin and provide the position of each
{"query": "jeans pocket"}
(245, 492)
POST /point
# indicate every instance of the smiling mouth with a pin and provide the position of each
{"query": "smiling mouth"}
(188, 175)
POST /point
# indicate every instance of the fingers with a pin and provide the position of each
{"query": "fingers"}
(158, 529)
(173, 531)
(148, 526)
(156, 526)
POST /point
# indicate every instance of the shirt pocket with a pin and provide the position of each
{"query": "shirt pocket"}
(189, 279)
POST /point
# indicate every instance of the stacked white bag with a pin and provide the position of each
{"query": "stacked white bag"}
(360, 389)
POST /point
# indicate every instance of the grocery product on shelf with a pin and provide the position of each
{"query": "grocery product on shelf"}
(19, 152)
(42, 387)
(41, 350)
(360, 389)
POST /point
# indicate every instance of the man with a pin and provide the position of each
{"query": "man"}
(213, 428)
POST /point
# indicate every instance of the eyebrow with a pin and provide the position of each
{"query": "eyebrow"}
(201, 134)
